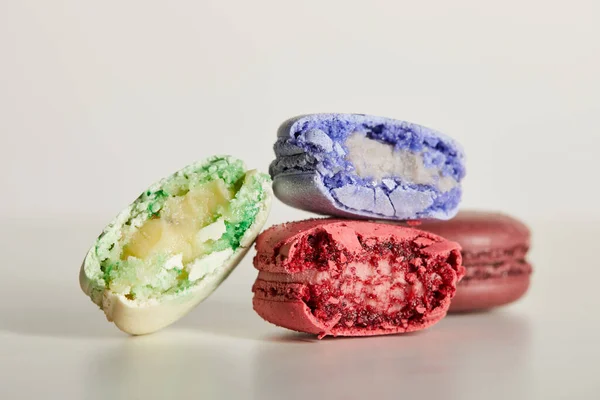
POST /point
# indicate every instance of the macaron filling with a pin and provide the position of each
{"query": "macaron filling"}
(376, 160)
(496, 264)
(498, 270)
(177, 232)
(389, 283)
(375, 165)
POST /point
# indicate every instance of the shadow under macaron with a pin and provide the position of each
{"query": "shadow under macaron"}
(441, 361)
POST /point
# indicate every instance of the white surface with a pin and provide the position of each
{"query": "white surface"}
(100, 99)
(54, 341)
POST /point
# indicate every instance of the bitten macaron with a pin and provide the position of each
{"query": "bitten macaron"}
(366, 167)
(354, 278)
(170, 248)
(494, 250)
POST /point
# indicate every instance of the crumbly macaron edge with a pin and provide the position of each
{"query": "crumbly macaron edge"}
(91, 277)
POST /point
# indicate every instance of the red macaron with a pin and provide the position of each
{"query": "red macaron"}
(354, 278)
(494, 248)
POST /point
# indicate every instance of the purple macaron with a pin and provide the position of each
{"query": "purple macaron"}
(360, 166)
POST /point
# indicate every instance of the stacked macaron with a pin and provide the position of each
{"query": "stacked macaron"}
(358, 166)
(352, 277)
(367, 271)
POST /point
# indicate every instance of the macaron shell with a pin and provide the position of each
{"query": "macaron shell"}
(486, 294)
(306, 191)
(297, 316)
(480, 231)
(296, 124)
(137, 318)
(273, 240)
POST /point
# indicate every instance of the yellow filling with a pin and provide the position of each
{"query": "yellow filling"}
(181, 218)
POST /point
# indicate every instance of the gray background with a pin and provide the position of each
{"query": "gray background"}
(100, 99)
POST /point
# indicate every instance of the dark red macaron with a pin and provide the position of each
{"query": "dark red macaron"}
(494, 247)
(354, 278)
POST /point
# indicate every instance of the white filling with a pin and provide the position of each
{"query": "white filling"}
(213, 231)
(175, 262)
(207, 264)
(376, 160)
(386, 286)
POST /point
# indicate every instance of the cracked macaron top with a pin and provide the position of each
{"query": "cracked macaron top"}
(355, 165)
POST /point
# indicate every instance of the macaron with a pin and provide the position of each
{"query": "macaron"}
(353, 278)
(367, 167)
(494, 249)
(170, 248)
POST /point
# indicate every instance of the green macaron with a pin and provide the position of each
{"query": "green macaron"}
(170, 248)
